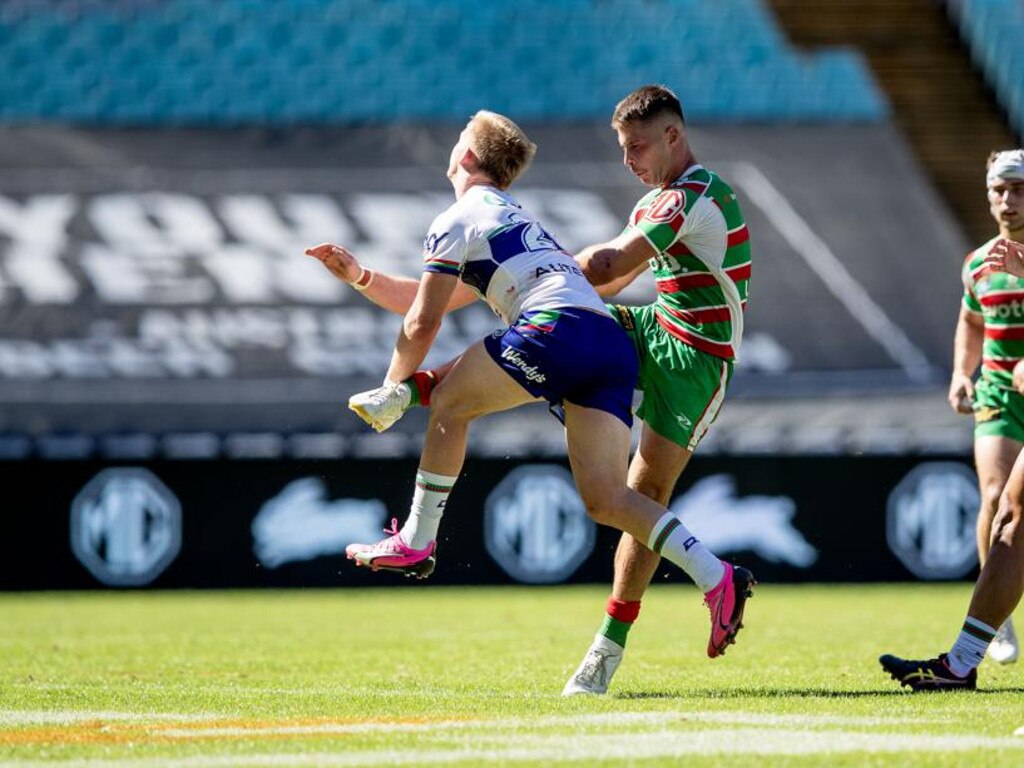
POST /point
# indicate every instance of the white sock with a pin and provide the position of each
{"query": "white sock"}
(673, 541)
(970, 646)
(428, 504)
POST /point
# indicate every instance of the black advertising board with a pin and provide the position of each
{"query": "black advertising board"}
(220, 524)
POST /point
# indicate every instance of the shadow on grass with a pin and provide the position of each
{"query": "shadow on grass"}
(797, 693)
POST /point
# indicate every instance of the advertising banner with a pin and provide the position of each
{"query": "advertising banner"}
(219, 524)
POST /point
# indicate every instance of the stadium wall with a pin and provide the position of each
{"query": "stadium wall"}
(153, 291)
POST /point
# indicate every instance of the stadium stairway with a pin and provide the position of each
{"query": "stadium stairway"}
(939, 99)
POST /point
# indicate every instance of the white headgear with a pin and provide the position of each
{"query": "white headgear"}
(1008, 164)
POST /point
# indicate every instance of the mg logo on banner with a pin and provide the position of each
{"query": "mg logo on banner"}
(535, 525)
(125, 527)
(930, 520)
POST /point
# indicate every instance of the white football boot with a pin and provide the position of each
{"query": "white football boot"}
(1004, 647)
(383, 406)
(595, 672)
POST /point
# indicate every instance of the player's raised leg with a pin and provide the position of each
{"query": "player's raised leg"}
(598, 452)
(475, 386)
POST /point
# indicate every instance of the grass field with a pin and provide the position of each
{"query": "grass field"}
(428, 675)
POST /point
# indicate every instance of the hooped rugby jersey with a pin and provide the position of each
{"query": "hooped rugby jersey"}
(505, 256)
(998, 297)
(702, 270)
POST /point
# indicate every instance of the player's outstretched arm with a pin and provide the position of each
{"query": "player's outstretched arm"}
(612, 266)
(1006, 256)
(391, 292)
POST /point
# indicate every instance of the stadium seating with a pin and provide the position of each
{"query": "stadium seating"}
(994, 30)
(342, 61)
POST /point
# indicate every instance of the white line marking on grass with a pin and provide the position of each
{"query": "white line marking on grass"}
(73, 716)
(620, 719)
(587, 748)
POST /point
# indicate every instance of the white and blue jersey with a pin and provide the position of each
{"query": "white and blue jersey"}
(561, 343)
(506, 256)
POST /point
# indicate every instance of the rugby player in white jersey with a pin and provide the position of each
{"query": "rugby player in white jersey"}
(994, 339)
(690, 231)
(561, 345)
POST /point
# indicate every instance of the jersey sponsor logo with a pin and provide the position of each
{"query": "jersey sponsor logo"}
(125, 526)
(549, 269)
(730, 523)
(986, 414)
(930, 520)
(535, 525)
(1003, 311)
(433, 241)
(625, 318)
(531, 372)
(669, 204)
(301, 523)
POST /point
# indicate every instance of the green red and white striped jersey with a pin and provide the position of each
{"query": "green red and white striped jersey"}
(702, 270)
(999, 298)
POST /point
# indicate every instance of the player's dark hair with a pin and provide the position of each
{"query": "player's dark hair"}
(646, 103)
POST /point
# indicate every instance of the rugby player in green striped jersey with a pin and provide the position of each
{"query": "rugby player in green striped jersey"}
(990, 333)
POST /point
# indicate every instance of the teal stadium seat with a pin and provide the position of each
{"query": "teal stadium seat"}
(345, 61)
(993, 30)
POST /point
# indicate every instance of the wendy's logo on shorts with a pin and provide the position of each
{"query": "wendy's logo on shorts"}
(529, 371)
(668, 205)
(986, 413)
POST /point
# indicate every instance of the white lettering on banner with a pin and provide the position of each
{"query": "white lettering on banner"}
(41, 222)
(124, 258)
(121, 278)
(39, 274)
(103, 353)
(530, 371)
(300, 523)
(728, 523)
(254, 219)
(135, 221)
(165, 226)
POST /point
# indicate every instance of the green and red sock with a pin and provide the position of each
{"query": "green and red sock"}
(422, 384)
(618, 620)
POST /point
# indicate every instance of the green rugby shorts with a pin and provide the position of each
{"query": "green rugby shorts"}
(998, 411)
(683, 388)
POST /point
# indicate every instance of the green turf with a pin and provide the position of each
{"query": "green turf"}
(422, 675)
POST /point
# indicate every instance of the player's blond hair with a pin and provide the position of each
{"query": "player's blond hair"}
(502, 147)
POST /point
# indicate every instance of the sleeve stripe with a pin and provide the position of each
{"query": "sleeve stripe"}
(444, 268)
